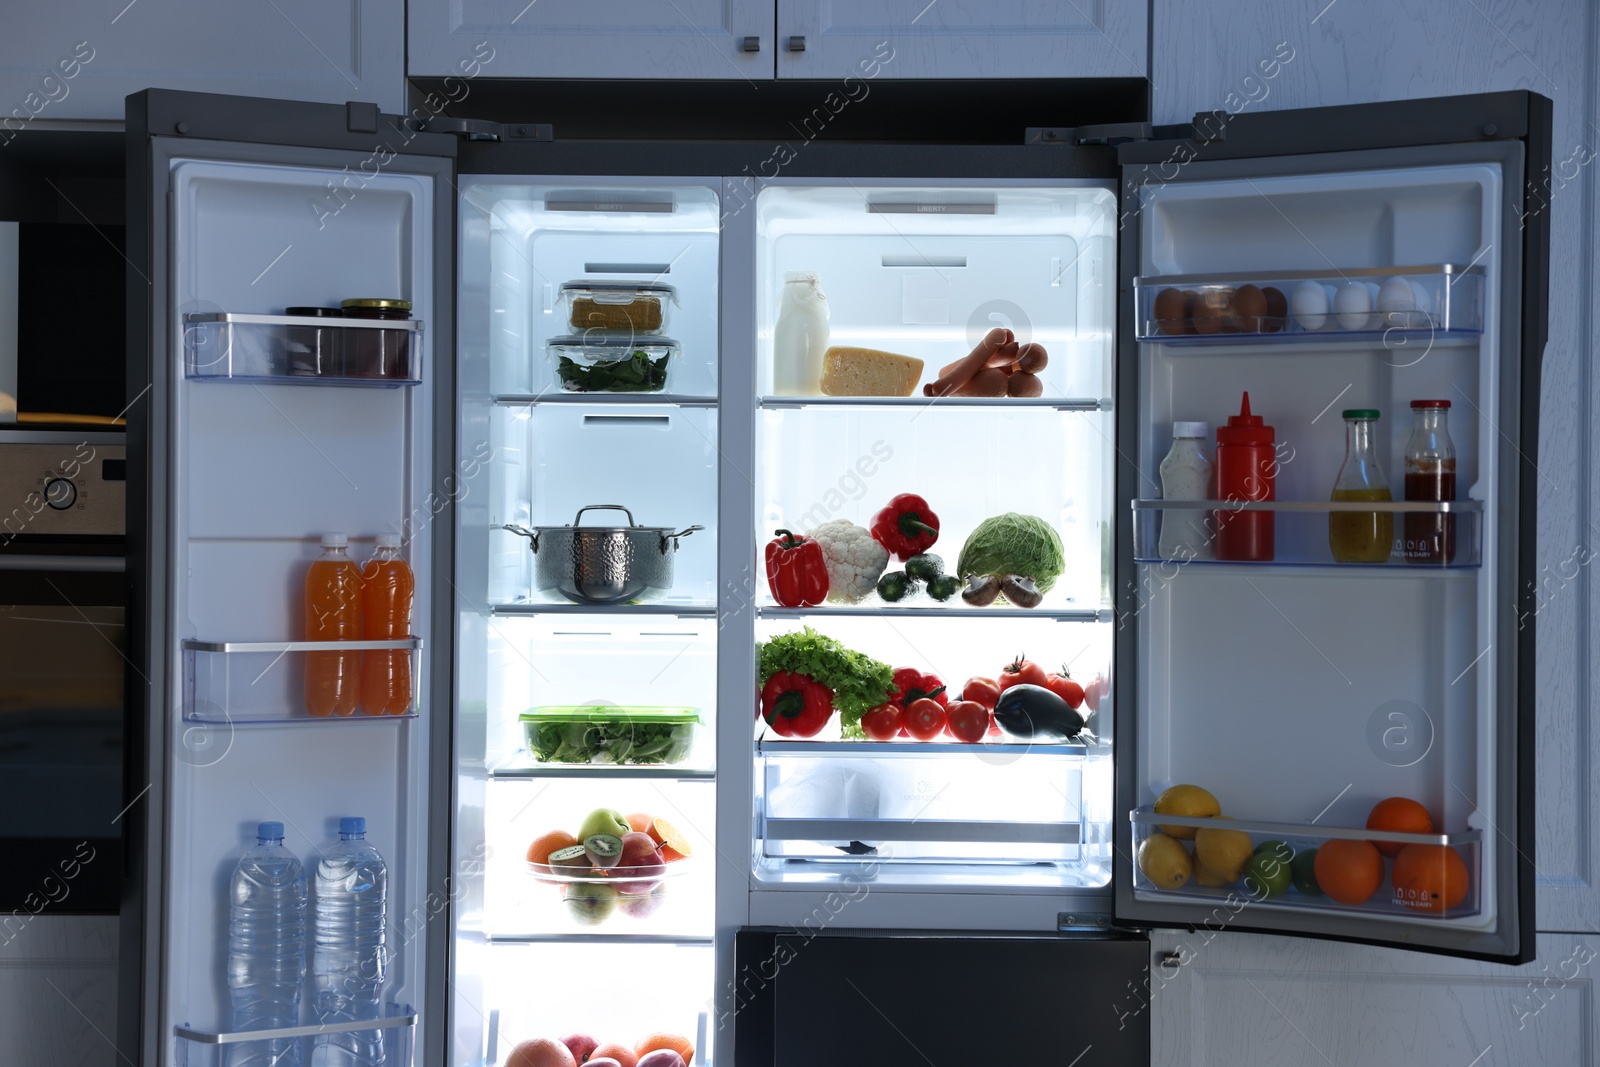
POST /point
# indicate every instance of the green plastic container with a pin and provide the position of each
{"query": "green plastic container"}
(608, 733)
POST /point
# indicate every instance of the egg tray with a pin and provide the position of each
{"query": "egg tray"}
(1387, 305)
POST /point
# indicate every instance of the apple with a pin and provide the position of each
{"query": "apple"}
(581, 1046)
(642, 907)
(604, 821)
(662, 1057)
(590, 903)
(604, 1061)
(641, 859)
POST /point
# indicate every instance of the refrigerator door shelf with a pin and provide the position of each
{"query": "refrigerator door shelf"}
(302, 350)
(1301, 532)
(208, 1048)
(1388, 901)
(244, 682)
(1388, 305)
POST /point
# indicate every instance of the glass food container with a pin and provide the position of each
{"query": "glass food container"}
(377, 353)
(631, 308)
(313, 350)
(1361, 536)
(600, 363)
(608, 733)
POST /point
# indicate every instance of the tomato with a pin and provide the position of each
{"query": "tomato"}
(969, 721)
(1064, 687)
(925, 719)
(882, 723)
(1021, 671)
(983, 690)
(911, 684)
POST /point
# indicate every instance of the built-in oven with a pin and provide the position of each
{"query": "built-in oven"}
(64, 669)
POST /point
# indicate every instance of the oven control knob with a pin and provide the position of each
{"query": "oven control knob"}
(60, 493)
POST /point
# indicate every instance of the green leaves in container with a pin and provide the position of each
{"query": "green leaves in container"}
(636, 374)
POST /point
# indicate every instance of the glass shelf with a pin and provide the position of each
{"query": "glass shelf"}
(992, 403)
(931, 609)
(291, 349)
(561, 607)
(1301, 530)
(913, 749)
(205, 1048)
(1387, 305)
(523, 766)
(243, 682)
(682, 400)
(1385, 902)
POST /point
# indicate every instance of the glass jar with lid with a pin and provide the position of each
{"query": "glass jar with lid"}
(375, 353)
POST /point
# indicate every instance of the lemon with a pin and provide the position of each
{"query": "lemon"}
(1205, 876)
(1224, 851)
(1188, 800)
(1164, 861)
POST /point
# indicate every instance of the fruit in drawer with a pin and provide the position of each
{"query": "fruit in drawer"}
(1349, 871)
(589, 903)
(541, 1052)
(1223, 851)
(581, 1046)
(1267, 874)
(1303, 872)
(603, 1061)
(1165, 861)
(603, 821)
(621, 1053)
(1205, 876)
(665, 1041)
(1398, 815)
(662, 1058)
(1188, 800)
(1429, 878)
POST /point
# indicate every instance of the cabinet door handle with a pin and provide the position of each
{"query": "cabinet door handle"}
(751, 44)
(797, 43)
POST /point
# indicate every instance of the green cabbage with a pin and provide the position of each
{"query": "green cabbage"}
(1014, 544)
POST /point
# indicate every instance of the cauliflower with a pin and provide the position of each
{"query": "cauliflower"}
(854, 560)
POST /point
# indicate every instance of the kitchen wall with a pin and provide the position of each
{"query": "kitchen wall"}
(1248, 1000)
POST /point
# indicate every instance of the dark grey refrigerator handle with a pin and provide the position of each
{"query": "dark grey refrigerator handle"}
(76, 564)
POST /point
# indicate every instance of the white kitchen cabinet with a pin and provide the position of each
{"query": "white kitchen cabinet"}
(691, 39)
(963, 38)
(80, 60)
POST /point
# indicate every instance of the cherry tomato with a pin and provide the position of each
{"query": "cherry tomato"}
(983, 690)
(969, 721)
(1064, 687)
(925, 719)
(882, 723)
(1021, 671)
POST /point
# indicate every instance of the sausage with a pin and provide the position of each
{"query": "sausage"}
(955, 376)
(1032, 358)
(1024, 384)
(990, 381)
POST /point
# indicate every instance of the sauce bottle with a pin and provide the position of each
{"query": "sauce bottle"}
(1360, 536)
(1186, 475)
(1247, 469)
(1430, 537)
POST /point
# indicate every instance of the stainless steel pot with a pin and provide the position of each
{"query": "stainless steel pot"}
(603, 564)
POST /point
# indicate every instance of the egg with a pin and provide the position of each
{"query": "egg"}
(1212, 312)
(1170, 309)
(1249, 308)
(1397, 304)
(1352, 305)
(1277, 310)
(1309, 303)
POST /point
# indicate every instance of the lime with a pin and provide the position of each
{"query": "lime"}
(1265, 875)
(1279, 849)
(1303, 872)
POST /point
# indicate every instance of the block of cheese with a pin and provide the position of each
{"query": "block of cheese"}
(850, 371)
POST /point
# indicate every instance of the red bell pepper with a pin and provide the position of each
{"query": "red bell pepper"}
(911, 685)
(906, 527)
(797, 573)
(795, 705)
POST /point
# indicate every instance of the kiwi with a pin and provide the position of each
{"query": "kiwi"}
(604, 849)
(573, 858)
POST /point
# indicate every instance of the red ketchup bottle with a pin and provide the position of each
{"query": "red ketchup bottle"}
(1247, 469)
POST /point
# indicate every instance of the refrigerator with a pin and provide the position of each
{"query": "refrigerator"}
(1297, 691)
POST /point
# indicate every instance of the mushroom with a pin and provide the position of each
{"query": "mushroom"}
(981, 590)
(1021, 591)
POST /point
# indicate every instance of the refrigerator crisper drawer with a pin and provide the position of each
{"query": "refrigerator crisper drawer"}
(302, 350)
(209, 1048)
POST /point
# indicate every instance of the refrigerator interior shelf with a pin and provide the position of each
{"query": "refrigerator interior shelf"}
(302, 350)
(590, 938)
(923, 608)
(554, 607)
(1424, 535)
(771, 747)
(681, 400)
(523, 767)
(244, 682)
(1387, 305)
(1059, 403)
(940, 830)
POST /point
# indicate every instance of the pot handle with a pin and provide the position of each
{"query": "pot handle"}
(604, 507)
(532, 537)
(675, 537)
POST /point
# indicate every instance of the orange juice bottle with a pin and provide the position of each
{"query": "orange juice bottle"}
(387, 589)
(333, 613)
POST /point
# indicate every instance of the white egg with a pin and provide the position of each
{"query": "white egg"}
(1397, 304)
(1352, 306)
(1309, 305)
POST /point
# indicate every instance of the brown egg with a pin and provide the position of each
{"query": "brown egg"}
(1212, 313)
(1170, 310)
(1249, 307)
(1277, 310)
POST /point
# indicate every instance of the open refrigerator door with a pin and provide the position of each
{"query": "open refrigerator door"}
(267, 417)
(1324, 638)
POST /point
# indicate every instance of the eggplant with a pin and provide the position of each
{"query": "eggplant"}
(1033, 712)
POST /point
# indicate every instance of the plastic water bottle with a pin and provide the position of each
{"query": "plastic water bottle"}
(266, 948)
(349, 956)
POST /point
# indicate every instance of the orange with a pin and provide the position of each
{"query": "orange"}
(640, 823)
(1349, 871)
(1429, 877)
(621, 1053)
(1401, 816)
(676, 1042)
(544, 844)
(674, 846)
